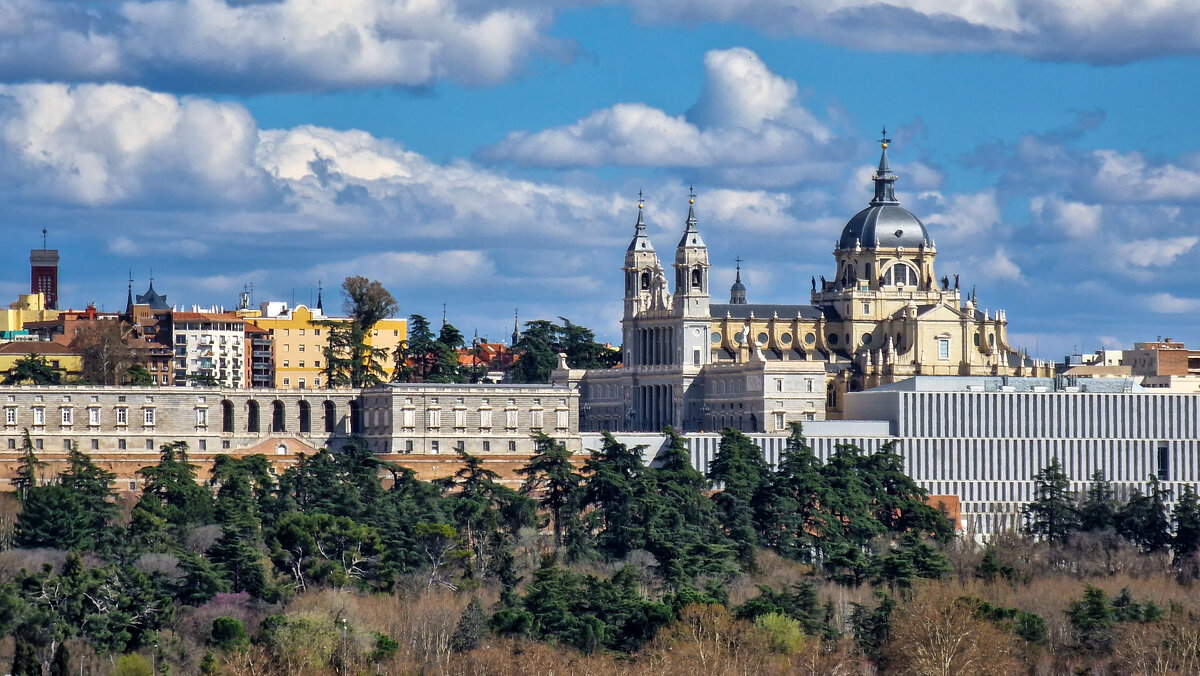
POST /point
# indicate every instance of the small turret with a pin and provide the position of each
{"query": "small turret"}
(691, 268)
(737, 292)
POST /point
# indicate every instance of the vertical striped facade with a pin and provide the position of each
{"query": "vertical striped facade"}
(986, 446)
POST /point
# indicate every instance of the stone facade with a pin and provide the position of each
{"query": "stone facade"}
(401, 418)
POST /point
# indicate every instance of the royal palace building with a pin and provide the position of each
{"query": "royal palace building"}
(885, 315)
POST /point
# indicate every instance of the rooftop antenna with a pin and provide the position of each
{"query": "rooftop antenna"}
(43, 238)
(443, 314)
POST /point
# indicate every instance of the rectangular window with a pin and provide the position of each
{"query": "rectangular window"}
(943, 347)
(120, 444)
(561, 418)
(300, 382)
(512, 447)
(285, 363)
(204, 444)
(202, 417)
(779, 384)
(695, 357)
(510, 418)
(12, 444)
(93, 416)
(301, 364)
(38, 443)
(435, 418)
(300, 348)
(68, 417)
(39, 416)
(460, 418)
(779, 421)
(122, 416)
(10, 416)
(407, 418)
(460, 445)
(485, 419)
(487, 447)
(95, 444)
(66, 444)
(287, 382)
(149, 444)
(408, 446)
(148, 417)
(433, 447)
(302, 332)
(866, 308)
(1164, 463)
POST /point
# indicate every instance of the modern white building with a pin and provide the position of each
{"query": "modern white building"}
(209, 349)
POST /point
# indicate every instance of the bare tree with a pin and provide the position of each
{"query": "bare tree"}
(107, 355)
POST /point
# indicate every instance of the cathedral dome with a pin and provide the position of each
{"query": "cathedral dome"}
(884, 221)
(889, 224)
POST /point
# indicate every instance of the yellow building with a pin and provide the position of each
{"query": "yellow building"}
(299, 338)
(68, 362)
(30, 307)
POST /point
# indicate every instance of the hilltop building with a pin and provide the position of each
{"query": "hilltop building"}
(884, 316)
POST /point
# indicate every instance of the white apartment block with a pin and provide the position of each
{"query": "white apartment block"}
(209, 349)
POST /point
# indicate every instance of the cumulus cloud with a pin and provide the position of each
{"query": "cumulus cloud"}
(960, 217)
(1056, 30)
(746, 117)
(284, 45)
(1075, 219)
(1145, 253)
(1165, 303)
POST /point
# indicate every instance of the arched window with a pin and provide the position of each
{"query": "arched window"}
(277, 421)
(252, 416)
(305, 418)
(645, 281)
(330, 417)
(227, 416)
(697, 276)
(900, 274)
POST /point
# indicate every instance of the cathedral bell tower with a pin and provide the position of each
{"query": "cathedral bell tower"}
(641, 263)
(691, 269)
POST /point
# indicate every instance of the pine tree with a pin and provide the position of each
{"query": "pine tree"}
(788, 514)
(25, 660)
(743, 475)
(1098, 510)
(93, 486)
(615, 482)
(1050, 515)
(28, 468)
(53, 516)
(471, 629)
(1143, 520)
(1186, 518)
(551, 473)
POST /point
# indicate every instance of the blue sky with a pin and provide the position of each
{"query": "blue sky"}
(488, 155)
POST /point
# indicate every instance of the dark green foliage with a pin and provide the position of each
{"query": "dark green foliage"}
(171, 496)
(1029, 626)
(1186, 518)
(384, 647)
(541, 343)
(912, 557)
(1051, 516)
(743, 476)
(873, 628)
(208, 665)
(584, 611)
(201, 580)
(332, 550)
(228, 633)
(801, 603)
(53, 516)
(1143, 519)
(349, 360)
(471, 629)
(60, 664)
(1093, 619)
(616, 490)
(29, 468)
(991, 567)
(34, 370)
(237, 556)
(788, 513)
(25, 660)
(1098, 510)
(551, 474)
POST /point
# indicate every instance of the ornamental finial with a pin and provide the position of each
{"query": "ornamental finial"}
(883, 138)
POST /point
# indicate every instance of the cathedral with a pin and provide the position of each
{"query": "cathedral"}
(884, 316)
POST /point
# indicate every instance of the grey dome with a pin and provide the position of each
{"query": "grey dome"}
(890, 224)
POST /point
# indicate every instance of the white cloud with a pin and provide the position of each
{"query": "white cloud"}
(1129, 177)
(746, 116)
(1165, 303)
(409, 269)
(151, 245)
(999, 267)
(1146, 253)
(1075, 219)
(960, 217)
(1096, 32)
(284, 45)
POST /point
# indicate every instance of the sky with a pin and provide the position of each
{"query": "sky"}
(487, 156)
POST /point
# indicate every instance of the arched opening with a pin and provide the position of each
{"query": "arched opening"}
(697, 276)
(754, 422)
(330, 417)
(305, 418)
(900, 274)
(645, 281)
(277, 421)
(354, 424)
(252, 416)
(227, 416)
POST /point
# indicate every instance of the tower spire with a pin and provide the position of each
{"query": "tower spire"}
(516, 334)
(641, 241)
(885, 192)
(129, 295)
(737, 292)
(319, 289)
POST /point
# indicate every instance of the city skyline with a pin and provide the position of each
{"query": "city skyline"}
(493, 157)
